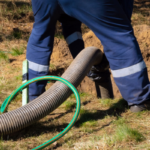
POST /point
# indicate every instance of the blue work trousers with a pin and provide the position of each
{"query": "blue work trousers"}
(110, 23)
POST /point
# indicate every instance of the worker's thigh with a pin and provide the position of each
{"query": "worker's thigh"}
(127, 6)
(111, 25)
(40, 43)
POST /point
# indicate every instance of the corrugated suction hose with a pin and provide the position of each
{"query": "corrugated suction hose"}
(53, 97)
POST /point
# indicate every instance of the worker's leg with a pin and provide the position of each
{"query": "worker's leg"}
(111, 25)
(99, 74)
(127, 6)
(72, 33)
(40, 43)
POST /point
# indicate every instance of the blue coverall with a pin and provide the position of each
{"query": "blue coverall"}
(110, 22)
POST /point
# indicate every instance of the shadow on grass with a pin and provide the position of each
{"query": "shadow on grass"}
(116, 110)
(43, 127)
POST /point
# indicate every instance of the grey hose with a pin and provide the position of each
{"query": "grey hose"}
(53, 97)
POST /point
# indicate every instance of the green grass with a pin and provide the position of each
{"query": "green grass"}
(120, 121)
(1, 144)
(59, 36)
(19, 77)
(3, 57)
(69, 105)
(12, 11)
(17, 51)
(125, 133)
(24, 9)
(81, 94)
(90, 123)
(85, 116)
(52, 66)
(106, 102)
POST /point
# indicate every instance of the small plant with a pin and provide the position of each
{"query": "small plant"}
(69, 105)
(17, 51)
(3, 57)
(52, 66)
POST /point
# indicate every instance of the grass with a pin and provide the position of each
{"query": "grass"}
(91, 123)
(15, 11)
(69, 105)
(17, 51)
(106, 102)
(52, 66)
(126, 134)
(59, 35)
(120, 121)
(3, 57)
(81, 94)
(85, 116)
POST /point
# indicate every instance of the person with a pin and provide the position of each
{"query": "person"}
(100, 74)
(110, 21)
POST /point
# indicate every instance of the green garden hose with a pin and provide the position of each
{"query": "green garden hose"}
(9, 99)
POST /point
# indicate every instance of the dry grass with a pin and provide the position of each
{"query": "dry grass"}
(102, 124)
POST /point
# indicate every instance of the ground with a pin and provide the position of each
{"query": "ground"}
(102, 124)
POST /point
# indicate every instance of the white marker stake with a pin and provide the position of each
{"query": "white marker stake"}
(25, 79)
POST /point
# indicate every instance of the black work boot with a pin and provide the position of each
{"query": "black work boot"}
(104, 87)
(100, 74)
(143, 106)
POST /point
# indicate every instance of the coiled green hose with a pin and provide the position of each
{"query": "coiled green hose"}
(9, 99)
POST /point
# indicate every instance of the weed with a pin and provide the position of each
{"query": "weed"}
(69, 105)
(52, 66)
(17, 51)
(3, 57)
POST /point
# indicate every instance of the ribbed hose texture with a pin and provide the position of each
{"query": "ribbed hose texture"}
(53, 97)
